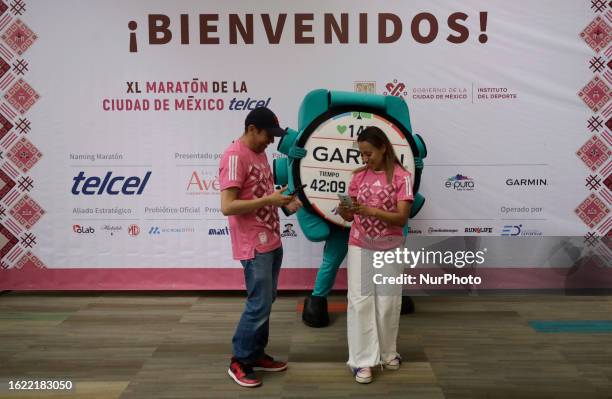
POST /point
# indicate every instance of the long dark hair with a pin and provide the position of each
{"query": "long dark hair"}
(376, 137)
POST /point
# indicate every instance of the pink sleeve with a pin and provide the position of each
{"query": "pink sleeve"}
(353, 188)
(231, 171)
(404, 186)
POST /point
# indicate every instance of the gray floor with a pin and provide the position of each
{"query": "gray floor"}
(177, 345)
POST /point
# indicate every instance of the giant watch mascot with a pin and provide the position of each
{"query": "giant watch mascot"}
(321, 155)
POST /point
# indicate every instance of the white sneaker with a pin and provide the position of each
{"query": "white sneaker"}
(393, 364)
(363, 375)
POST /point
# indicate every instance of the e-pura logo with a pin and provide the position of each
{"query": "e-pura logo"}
(460, 182)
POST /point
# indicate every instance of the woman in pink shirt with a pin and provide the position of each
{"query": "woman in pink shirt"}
(381, 193)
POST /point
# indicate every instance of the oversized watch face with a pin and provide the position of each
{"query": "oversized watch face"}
(332, 156)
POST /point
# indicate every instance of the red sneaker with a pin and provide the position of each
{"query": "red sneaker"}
(243, 374)
(267, 363)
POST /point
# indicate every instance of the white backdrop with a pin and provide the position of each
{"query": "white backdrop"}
(534, 57)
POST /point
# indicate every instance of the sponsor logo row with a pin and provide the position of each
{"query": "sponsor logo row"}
(460, 182)
(288, 230)
(135, 230)
(507, 230)
(398, 88)
(117, 184)
(201, 183)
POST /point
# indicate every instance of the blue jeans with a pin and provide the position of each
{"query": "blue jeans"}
(261, 279)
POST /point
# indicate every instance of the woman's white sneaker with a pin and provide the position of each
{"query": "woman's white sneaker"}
(393, 364)
(363, 375)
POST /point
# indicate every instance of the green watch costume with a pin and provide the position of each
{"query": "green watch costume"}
(322, 155)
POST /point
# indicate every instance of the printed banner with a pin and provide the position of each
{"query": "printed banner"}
(114, 115)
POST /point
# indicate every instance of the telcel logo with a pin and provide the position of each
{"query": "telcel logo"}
(109, 184)
(248, 104)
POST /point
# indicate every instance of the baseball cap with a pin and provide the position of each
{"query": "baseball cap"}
(264, 118)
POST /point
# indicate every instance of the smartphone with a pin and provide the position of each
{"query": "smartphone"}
(286, 211)
(345, 200)
(296, 190)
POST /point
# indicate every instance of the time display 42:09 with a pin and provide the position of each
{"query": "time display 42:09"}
(325, 186)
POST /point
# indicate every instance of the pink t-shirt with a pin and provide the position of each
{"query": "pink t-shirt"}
(250, 172)
(371, 189)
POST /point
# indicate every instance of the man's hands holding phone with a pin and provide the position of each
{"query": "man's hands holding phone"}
(232, 205)
(289, 203)
(277, 198)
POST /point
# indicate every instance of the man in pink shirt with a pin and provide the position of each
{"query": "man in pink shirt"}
(251, 204)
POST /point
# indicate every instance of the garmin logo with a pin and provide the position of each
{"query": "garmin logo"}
(526, 182)
(344, 155)
(341, 155)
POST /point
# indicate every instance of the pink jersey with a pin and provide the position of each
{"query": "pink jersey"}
(371, 189)
(250, 172)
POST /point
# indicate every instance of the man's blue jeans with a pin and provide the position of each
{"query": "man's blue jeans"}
(261, 279)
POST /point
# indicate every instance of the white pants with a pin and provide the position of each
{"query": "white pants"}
(372, 319)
